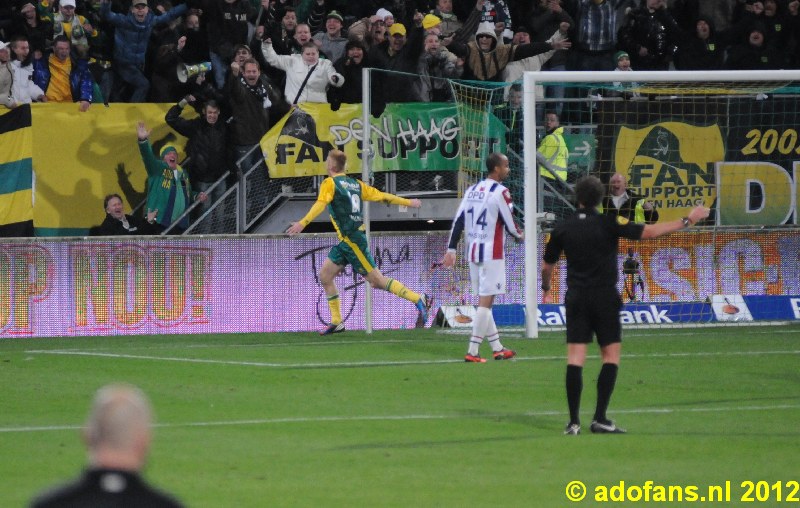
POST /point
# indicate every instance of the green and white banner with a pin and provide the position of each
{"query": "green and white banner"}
(406, 137)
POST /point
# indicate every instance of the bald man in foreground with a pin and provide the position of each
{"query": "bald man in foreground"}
(118, 436)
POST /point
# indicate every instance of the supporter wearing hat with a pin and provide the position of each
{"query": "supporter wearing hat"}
(755, 54)
(331, 42)
(242, 48)
(166, 151)
(620, 55)
(131, 35)
(356, 43)
(485, 58)
(397, 29)
(431, 22)
(77, 28)
(350, 67)
(169, 190)
(521, 35)
(486, 36)
(622, 63)
(386, 16)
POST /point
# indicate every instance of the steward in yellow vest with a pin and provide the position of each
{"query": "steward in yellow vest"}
(552, 151)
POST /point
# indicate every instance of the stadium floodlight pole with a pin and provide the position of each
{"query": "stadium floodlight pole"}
(531, 185)
(366, 166)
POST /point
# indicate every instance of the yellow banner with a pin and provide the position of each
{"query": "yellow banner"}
(298, 144)
(15, 207)
(79, 158)
(15, 145)
(16, 171)
(669, 164)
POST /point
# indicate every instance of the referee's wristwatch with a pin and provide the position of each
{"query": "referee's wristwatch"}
(686, 222)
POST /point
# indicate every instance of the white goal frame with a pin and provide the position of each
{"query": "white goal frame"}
(531, 79)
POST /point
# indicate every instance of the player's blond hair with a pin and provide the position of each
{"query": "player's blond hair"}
(339, 160)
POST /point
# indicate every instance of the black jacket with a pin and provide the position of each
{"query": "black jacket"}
(250, 119)
(114, 227)
(698, 54)
(747, 57)
(91, 489)
(352, 92)
(655, 31)
(391, 87)
(206, 147)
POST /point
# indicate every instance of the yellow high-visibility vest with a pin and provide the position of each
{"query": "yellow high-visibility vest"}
(554, 149)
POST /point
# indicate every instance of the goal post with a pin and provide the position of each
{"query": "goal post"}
(725, 139)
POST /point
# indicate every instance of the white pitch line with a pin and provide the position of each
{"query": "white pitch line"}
(455, 416)
(443, 335)
(251, 364)
(388, 363)
(265, 345)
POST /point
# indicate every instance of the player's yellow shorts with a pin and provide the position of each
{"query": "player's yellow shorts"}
(353, 250)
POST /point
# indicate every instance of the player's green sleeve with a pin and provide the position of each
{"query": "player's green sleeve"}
(325, 197)
(369, 193)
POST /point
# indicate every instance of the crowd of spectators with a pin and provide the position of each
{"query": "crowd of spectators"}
(132, 48)
(268, 54)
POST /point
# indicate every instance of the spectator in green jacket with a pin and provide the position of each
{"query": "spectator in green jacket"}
(168, 187)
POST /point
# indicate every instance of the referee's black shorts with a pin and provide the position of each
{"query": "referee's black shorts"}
(593, 311)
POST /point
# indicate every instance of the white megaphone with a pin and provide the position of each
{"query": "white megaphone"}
(187, 71)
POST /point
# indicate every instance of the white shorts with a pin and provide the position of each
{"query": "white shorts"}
(488, 278)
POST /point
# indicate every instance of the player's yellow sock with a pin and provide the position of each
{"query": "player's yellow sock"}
(398, 288)
(336, 309)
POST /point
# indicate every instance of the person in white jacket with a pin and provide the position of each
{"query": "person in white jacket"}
(24, 90)
(515, 70)
(304, 68)
(6, 78)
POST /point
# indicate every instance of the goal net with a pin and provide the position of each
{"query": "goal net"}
(726, 140)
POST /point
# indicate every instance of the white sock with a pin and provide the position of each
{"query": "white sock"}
(479, 326)
(492, 335)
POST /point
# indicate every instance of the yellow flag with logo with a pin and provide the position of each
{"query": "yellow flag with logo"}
(299, 143)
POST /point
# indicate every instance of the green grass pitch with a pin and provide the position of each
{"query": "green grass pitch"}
(397, 419)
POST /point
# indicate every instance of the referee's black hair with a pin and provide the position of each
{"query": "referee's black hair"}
(589, 191)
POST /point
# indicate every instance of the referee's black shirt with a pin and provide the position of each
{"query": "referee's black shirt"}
(590, 241)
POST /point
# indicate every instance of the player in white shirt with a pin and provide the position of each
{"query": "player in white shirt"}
(485, 216)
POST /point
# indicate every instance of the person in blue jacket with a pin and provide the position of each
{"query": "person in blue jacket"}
(63, 78)
(131, 37)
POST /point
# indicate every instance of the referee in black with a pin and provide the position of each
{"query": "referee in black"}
(590, 242)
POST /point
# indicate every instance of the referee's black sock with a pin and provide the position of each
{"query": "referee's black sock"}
(574, 389)
(605, 387)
